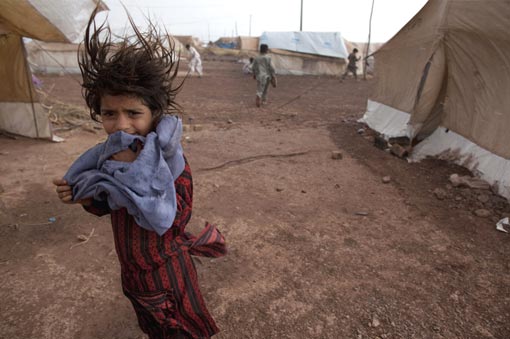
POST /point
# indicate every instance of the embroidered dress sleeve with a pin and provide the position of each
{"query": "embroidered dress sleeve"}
(184, 194)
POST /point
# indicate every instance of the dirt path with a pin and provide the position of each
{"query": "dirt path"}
(319, 248)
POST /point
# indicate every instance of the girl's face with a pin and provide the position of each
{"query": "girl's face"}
(125, 113)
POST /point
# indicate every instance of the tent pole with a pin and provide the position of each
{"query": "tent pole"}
(28, 73)
(367, 50)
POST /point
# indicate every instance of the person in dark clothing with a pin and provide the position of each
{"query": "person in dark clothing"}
(351, 65)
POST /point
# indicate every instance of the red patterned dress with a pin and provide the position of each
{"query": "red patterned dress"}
(158, 274)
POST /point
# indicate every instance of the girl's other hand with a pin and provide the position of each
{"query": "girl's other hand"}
(65, 193)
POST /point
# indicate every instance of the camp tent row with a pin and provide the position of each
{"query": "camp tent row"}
(300, 53)
(44, 20)
(444, 79)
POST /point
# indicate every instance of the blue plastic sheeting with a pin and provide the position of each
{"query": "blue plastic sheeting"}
(319, 43)
(230, 45)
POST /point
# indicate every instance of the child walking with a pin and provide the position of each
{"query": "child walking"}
(264, 73)
(351, 66)
(140, 176)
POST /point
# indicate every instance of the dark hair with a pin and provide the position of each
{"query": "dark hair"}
(355, 50)
(187, 46)
(141, 66)
(264, 48)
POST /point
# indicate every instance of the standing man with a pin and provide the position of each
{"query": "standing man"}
(351, 66)
(264, 73)
(194, 61)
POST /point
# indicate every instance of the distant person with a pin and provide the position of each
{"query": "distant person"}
(194, 61)
(264, 73)
(351, 66)
(248, 66)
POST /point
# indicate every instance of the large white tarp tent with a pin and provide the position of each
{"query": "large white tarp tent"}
(445, 78)
(306, 53)
(45, 20)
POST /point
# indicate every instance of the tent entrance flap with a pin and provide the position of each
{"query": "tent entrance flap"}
(427, 110)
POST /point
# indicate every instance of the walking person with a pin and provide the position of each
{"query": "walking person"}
(194, 61)
(264, 73)
(351, 66)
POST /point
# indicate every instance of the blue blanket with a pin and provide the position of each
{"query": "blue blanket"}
(144, 187)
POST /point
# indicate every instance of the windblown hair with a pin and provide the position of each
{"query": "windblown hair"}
(144, 66)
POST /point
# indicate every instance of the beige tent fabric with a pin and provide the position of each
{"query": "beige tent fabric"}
(248, 43)
(13, 67)
(400, 62)
(478, 54)
(20, 17)
(287, 62)
(48, 20)
(450, 66)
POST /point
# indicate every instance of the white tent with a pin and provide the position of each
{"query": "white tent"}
(444, 79)
(306, 53)
(45, 20)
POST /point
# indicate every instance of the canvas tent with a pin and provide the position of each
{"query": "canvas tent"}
(445, 78)
(306, 53)
(52, 57)
(45, 20)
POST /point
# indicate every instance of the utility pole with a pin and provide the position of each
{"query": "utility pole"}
(301, 19)
(249, 32)
(367, 50)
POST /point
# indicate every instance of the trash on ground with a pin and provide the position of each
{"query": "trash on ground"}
(500, 225)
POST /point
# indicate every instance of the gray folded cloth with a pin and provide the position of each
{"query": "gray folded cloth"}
(144, 187)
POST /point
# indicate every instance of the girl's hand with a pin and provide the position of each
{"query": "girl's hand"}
(65, 193)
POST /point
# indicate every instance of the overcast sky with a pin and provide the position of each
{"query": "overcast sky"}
(211, 19)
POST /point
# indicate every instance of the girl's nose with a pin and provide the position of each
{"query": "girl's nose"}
(122, 123)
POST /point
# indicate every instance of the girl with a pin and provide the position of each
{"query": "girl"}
(141, 178)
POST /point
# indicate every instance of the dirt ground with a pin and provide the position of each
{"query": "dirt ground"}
(319, 248)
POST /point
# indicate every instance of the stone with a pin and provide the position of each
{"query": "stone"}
(197, 128)
(386, 179)
(482, 213)
(483, 198)
(398, 150)
(375, 322)
(440, 193)
(467, 181)
(337, 155)
(370, 138)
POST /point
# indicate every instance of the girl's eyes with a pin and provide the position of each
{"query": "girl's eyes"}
(108, 114)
